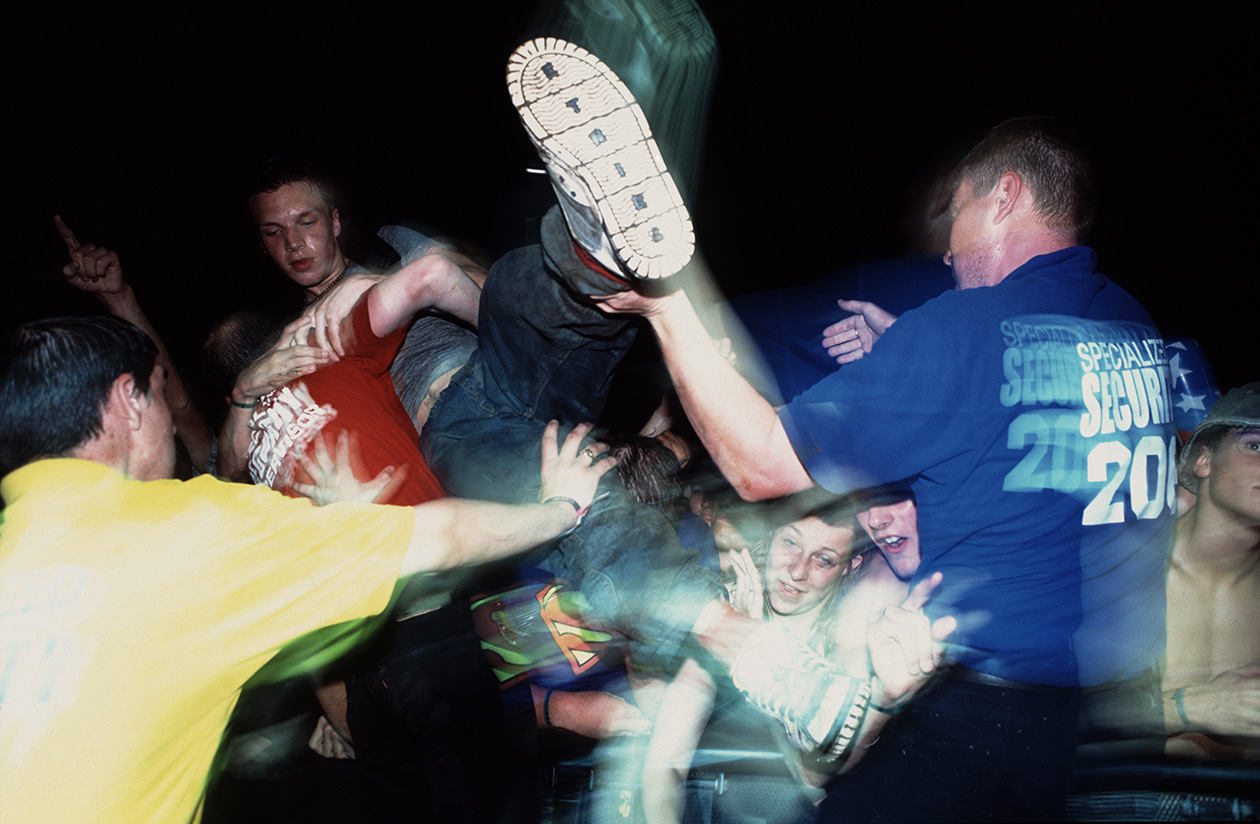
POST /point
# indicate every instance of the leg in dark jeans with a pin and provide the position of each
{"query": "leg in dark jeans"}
(544, 353)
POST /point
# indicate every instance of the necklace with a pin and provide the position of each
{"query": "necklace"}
(345, 268)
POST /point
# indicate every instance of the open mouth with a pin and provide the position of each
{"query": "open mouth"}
(789, 591)
(894, 543)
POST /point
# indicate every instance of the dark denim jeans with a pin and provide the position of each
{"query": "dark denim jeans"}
(544, 353)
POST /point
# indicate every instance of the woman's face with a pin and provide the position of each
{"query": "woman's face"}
(806, 561)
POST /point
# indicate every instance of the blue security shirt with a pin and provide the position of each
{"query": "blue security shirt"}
(786, 324)
(1035, 422)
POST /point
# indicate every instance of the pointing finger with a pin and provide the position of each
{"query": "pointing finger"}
(67, 235)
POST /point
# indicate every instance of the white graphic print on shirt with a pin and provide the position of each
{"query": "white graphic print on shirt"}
(285, 421)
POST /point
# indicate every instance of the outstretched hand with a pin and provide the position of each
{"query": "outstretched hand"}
(333, 479)
(570, 470)
(854, 336)
(905, 647)
(91, 268)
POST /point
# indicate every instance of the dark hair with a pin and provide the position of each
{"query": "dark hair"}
(55, 379)
(649, 470)
(1047, 156)
(282, 170)
(233, 344)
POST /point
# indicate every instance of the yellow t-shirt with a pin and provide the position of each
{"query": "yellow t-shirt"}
(132, 612)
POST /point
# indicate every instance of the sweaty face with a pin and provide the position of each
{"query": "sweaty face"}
(1232, 470)
(895, 530)
(806, 562)
(299, 233)
(972, 241)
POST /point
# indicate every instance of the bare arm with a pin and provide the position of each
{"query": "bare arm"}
(451, 532)
(1228, 705)
(432, 280)
(97, 270)
(686, 705)
(740, 429)
(439, 279)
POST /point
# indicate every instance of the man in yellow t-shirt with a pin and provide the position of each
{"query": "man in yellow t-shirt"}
(133, 607)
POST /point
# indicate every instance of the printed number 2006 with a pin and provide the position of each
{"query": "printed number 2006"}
(1136, 465)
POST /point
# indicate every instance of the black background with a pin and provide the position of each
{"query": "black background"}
(136, 125)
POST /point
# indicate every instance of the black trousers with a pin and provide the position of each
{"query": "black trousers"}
(964, 751)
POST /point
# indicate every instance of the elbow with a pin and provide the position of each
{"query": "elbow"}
(754, 487)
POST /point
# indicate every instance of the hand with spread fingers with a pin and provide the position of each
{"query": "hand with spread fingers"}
(747, 594)
(333, 478)
(905, 645)
(570, 470)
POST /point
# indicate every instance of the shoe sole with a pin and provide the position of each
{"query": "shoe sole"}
(577, 110)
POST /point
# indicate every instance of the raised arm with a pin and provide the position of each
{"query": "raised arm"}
(98, 270)
(433, 280)
(739, 428)
(440, 279)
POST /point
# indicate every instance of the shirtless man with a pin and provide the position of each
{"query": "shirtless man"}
(1212, 677)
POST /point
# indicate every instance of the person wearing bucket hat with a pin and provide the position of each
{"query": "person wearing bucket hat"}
(1211, 682)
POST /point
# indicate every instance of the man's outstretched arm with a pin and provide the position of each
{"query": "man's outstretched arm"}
(739, 428)
(451, 532)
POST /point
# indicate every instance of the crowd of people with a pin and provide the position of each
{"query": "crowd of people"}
(955, 533)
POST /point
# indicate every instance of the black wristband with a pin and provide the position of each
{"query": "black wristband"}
(547, 709)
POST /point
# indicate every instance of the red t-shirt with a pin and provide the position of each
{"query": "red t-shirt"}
(354, 394)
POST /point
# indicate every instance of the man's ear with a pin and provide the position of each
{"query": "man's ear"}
(1203, 463)
(336, 222)
(1009, 187)
(126, 401)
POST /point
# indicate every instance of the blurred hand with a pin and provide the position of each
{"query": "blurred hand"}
(328, 742)
(854, 336)
(905, 647)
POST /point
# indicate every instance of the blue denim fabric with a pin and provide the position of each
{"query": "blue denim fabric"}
(545, 353)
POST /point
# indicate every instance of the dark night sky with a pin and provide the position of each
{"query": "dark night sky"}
(137, 129)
